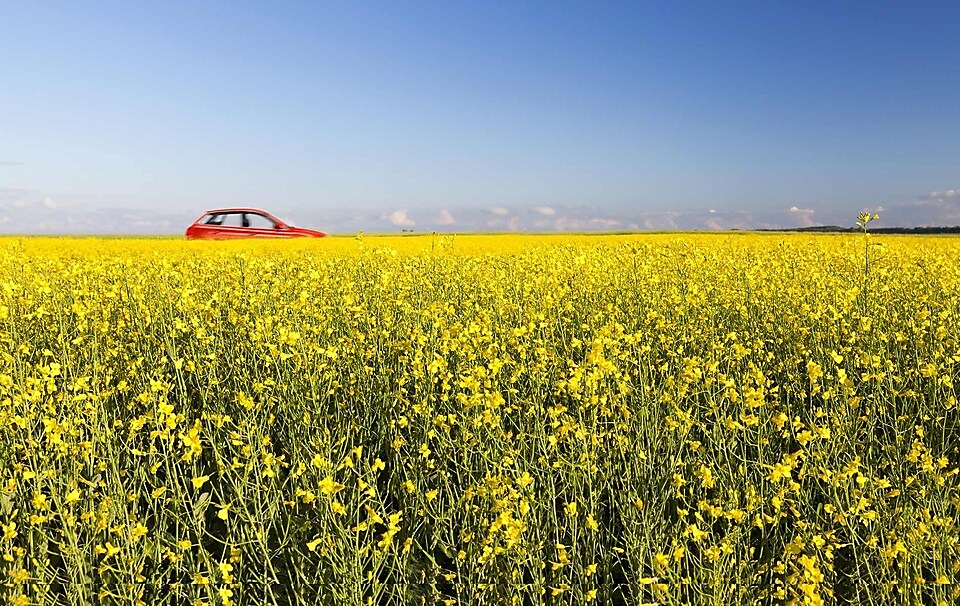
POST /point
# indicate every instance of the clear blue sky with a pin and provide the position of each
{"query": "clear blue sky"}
(135, 117)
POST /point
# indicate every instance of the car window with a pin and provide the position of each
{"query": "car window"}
(213, 219)
(259, 221)
(232, 220)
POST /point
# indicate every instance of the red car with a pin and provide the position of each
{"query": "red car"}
(229, 223)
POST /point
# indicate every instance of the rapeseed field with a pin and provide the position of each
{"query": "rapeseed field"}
(645, 419)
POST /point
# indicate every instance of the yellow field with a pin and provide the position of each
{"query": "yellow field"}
(673, 419)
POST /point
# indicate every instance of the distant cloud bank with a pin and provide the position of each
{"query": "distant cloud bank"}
(27, 211)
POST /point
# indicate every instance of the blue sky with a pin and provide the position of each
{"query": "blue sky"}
(134, 118)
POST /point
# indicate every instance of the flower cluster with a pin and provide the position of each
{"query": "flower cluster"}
(739, 419)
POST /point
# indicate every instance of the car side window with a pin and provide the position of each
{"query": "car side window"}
(258, 221)
(231, 220)
(214, 219)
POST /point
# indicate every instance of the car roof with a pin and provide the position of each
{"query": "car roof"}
(238, 210)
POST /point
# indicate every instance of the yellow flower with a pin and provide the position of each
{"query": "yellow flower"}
(40, 501)
(245, 400)
(695, 533)
(328, 486)
(706, 476)
(72, 497)
(200, 481)
(737, 515)
(524, 480)
(18, 576)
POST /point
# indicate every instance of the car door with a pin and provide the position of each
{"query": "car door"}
(231, 227)
(208, 227)
(260, 225)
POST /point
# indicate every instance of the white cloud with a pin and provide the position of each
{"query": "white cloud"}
(445, 217)
(24, 199)
(36, 218)
(399, 218)
(577, 221)
(934, 209)
(498, 210)
(659, 222)
(605, 223)
(695, 220)
(800, 217)
(546, 211)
